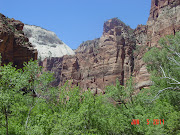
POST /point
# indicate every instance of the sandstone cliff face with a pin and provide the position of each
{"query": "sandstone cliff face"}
(98, 62)
(118, 53)
(164, 19)
(14, 46)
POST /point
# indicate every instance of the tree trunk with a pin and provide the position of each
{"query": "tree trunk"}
(6, 115)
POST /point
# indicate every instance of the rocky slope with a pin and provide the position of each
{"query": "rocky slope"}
(14, 45)
(46, 42)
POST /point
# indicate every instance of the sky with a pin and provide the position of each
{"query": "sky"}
(75, 21)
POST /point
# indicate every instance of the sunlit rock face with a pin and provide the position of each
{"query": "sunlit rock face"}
(118, 53)
(164, 19)
(99, 62)
(46, 42)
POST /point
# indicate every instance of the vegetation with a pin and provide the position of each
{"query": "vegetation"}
(30, 106)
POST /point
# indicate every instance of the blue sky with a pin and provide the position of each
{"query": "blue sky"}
(75, 21)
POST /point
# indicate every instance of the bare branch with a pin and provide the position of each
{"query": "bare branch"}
(174, 83)
(177, 82)
(29, 115)
(170, 78)
(172, 59)
(178, 54)
(163, 71)
(160, 91)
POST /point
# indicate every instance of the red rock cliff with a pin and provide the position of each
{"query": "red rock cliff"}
(14, 46)
(118, 53)
(164, 19)
(98, 62)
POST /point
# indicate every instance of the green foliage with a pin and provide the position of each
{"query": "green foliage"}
(30, 106)
(166, 57)
(164, 64)
(11, 27)
(15, 103)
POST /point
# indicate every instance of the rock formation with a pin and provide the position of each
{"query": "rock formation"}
(118, 53)
(46, 42)
(164, 20)
(98, 62)
(14, 46)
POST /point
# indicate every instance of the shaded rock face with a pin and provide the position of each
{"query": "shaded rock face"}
(14, 46)
(118, 53)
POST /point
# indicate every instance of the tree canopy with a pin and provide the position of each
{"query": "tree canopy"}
(29, 105)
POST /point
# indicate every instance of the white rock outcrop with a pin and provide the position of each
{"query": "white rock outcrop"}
(46, 42)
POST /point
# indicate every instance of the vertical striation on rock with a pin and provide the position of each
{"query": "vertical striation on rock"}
(14, 46)
(101, 61)
(164, 20)
(118, 53)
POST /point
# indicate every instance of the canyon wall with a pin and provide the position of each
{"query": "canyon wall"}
(98, 62)
(118, 53)
(14, 46)
(164, 20)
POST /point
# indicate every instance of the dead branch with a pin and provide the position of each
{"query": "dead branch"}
(160, 91)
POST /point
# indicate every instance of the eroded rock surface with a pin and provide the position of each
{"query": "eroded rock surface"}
(98, 62)
(14, 46)
(164, 20)
(46, 42)
(118, 53)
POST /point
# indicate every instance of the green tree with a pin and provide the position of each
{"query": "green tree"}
(164, 64)
(20, 89)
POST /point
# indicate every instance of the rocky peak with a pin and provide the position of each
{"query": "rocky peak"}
(88, 46)
(115, 27)
(98, 62)
(10, 25)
